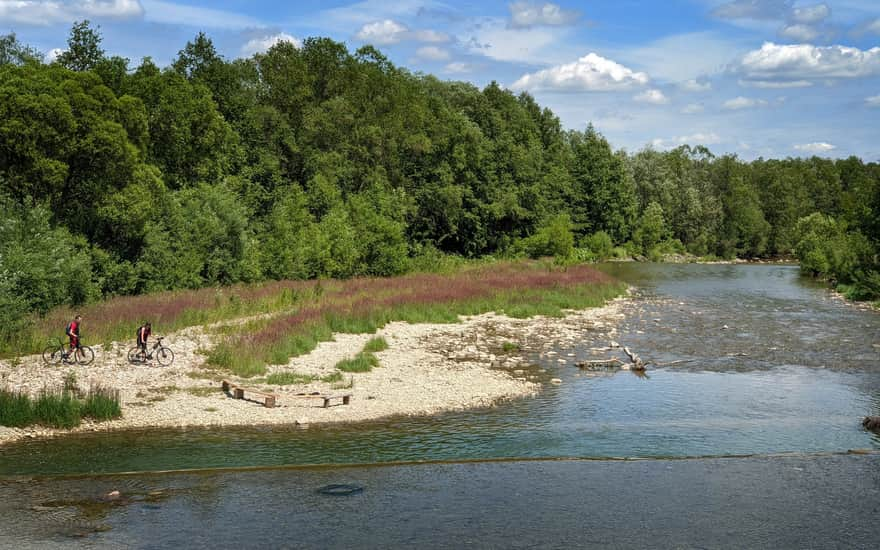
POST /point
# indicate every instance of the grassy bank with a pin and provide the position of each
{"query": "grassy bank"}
(118, 318)
(517, 289)
(57, 408)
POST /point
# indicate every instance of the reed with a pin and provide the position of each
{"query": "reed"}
(57, 408)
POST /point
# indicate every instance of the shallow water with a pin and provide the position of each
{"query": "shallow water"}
(773, 363)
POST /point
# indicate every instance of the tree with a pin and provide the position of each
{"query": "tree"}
(83, 48)
(13, 52)
(604, 194)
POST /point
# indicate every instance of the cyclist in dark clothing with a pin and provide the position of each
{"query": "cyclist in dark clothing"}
(73, 333)
(143, 333)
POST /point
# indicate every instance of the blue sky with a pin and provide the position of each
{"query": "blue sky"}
(771, 78)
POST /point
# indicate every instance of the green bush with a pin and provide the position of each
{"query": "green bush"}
(554, 239)
(599, 244)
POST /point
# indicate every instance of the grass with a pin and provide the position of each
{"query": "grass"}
(57, 409)
(305, 313)
(118, 318)
(101, 403)
(518, 289)
(362, 362)
(376, 345)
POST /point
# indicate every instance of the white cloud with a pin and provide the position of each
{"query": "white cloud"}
(170, 13)
(40, 12)
(589, 73)
(873, 26)
(388, 31)
(382, 32)
(652, 96)
(693, 109)
(815, 147)
(775, 84)
(805, 61)
(873, 101)
(259, 45)
(810, 15)
(458, 67)
(799, 32)
(526, 14)
(432, 53)
(52, 55)
(694, 85)
(427, 35)
(741, 102)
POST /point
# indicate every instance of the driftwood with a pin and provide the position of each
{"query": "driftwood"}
(635, 364)
(872, 423)
(595, 364)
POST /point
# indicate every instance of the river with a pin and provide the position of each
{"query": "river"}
(748, 360)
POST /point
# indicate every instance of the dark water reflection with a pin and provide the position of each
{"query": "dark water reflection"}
(794, 371)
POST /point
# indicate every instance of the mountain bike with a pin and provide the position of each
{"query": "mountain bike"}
(56, 352)
(163, 354)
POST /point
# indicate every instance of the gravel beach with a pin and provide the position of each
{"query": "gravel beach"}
(427, 368)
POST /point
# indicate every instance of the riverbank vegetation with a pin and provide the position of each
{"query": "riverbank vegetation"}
(356, 306)
(64, 408)
(311, 161)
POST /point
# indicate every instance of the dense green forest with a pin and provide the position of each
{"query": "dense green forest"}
(314, 161)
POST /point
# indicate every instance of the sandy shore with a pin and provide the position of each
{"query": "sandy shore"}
(427, 368)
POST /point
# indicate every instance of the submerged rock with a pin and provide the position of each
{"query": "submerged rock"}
(872, 423)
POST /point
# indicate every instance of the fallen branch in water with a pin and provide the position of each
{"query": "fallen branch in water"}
(637, 363)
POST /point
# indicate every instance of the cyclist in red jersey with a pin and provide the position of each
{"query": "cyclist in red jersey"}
(73, 333)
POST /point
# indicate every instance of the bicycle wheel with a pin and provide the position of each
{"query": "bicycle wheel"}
(135, 355)
(84, 355)
(52, 355)
(164, 356)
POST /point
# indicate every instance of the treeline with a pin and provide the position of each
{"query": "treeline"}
(315, 161)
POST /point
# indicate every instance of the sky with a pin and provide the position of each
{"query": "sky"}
(759, 78)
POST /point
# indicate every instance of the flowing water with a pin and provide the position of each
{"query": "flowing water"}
(747, 360)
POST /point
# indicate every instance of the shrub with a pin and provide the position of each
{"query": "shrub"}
(554, 239)
(599, 244)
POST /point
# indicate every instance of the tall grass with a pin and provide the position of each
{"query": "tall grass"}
(518, 289)
(376, 345)
(57, 408)
(101, 403)
(362, 362)
(118, 318)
